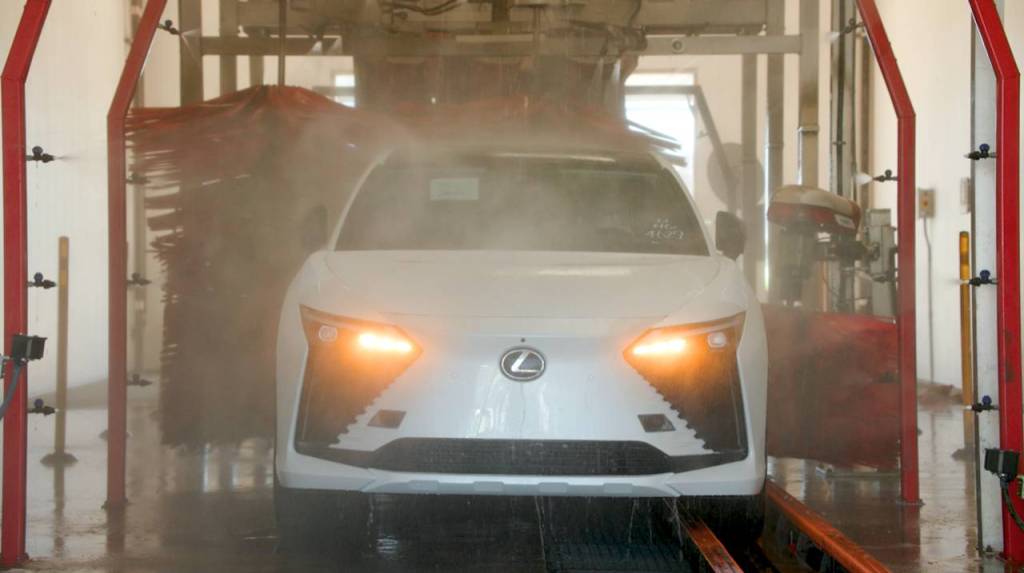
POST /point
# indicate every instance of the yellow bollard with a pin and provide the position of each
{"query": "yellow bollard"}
(966, 355)
(60, 456)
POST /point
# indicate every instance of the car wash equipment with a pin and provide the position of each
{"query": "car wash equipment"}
(24, 349)
(1004, 463)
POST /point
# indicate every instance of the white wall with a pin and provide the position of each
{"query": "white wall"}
(932, 41)
(938, 79)
(72, 80)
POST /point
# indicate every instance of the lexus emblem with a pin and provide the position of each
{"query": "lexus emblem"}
(522, 364)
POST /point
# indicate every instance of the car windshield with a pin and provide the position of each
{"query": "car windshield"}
(523, 202)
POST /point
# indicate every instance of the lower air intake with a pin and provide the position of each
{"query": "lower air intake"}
(521, 457)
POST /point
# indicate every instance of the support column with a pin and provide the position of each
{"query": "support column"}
(775, 115)
(12, 108)
(228, 29)
(256, 70)
(135, 13)
(843, 130)
(906, 315)
(1007, 255)
(190, 22)
(750, 188)
(282, 36)
(117, 277)
(983, 249)
(807, 146)
(843, 135)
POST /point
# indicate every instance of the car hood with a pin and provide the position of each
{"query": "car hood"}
(517, 284)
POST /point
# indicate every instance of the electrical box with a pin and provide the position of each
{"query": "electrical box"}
(25, 347)
(926, 203)
(1003, 463)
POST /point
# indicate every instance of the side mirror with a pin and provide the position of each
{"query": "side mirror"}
(730, 237)
(314, 232)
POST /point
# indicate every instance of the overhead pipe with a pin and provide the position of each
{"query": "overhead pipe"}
(12, 109)
(117, 394)
(1011, 428)
(906, 230)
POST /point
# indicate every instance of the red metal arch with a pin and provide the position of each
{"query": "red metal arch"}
(117, 395)
(907, 229)
(19, 60)
(1011, 429)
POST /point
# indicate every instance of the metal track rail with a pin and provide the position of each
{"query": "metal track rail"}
(827, 539)
(714, 556)
(798, 540)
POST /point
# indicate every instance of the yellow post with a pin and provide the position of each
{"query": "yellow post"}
(966, 355)
(64, 251)
(59, 457)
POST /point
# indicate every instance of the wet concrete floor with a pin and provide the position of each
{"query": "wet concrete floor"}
(211, 510)
(939, 535)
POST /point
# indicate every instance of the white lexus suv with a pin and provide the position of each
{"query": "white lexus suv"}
(520, 320)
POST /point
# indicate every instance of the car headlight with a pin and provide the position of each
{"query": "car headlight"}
(685, 342)
(349, 364)
(694, 368)
(359, 339)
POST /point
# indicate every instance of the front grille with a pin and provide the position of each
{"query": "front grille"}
(521, 457)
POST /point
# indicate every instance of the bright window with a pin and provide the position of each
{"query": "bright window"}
(659, 102)
(345, 89)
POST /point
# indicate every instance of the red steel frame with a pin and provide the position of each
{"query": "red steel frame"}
(715, 555)
(906, 229)
(12, 106)
(117, 394)
(1011, 430)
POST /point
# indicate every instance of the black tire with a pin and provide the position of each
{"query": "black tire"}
(317, 519)
(735, 519)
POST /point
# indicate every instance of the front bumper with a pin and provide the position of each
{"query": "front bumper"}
(742, 477)
(465, 429)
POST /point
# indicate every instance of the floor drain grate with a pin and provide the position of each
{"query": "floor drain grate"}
(607, 558)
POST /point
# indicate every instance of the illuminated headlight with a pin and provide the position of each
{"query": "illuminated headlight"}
(678, 341)
(666, 347)
(350, 362)
(357, 337)
(375, 342)
(694, 368)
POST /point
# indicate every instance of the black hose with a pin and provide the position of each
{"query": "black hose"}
(9, 391)
(636, 10)
(441, 8)
(1009, 504)
(436, 10)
